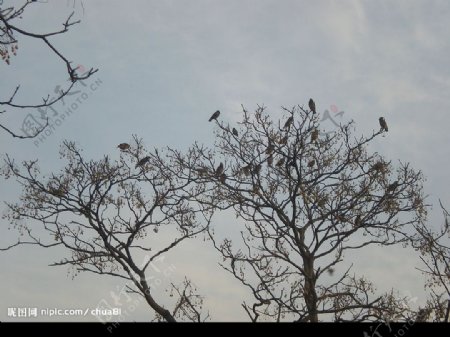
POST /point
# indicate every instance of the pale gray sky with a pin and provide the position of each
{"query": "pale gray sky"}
(165, 66)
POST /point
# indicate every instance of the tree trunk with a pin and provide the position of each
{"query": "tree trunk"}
(155, 306)
(310, 289)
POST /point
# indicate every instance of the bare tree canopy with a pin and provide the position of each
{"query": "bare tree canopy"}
(326, 195)
(113, 219)
(305, 201)
(10, 34)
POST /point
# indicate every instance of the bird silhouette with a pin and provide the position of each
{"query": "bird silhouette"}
(393, 186)
(314, 135)
(246, 169)
(280, 162)
(257, 169)
(383, 124)
(270, 148)
(288, 123)
(219, 169)
(311, 163)
(123, 146)
(357, 220)
(312, 105)
(215, 115)
(270, 160)
(235, 132)
(143, 161)
(283, 141)
(223, 178)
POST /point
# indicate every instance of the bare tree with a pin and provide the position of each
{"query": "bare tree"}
(113, 217)
(306, 199)
(434, 249)
(9, 45)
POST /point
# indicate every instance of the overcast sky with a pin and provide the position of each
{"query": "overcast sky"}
(165, 66)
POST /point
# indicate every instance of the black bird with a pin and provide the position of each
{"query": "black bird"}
(143, 161)
(280, 162)
(123, 146)
(393, 186)
(311, 163)
(283, 141)
(288, 123)
(270, 160)
(383, 124)
(312, 105)
(270, 149)
(215, 115)
(257, 169)
(357, 220)
(223, 178)
(235, 132)
(219, 169)
(246, 169)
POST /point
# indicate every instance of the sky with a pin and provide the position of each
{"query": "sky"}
(165, 66)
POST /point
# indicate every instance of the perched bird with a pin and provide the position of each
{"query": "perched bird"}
(314, 135)
(312, 105)
(383, 124)
(123, 146)
(393, 186)
(257, 169)
(223, 178)
(283, 141)
(357, 220)
(246, 169)
(311, 163)
(235, 132)
(270, 160)
(219, 169)
(215, 115)
(270, 148)
(280, 162)
(288, 123)
(330, 271)
(143, 161)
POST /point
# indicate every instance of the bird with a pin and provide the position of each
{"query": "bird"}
(280, 162)
(311, 163)
(270, 148)
(288, 123)
(357, 220)
(312, 105)
(219, 169)
(257, 169)
(246, 169)
(383, 124)
(223, 178)
(314, 135)
(235, 132)
(123, 146)
(215, 115)
(393, 186)
(283, 141)
(143, 161)
(270, 160)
